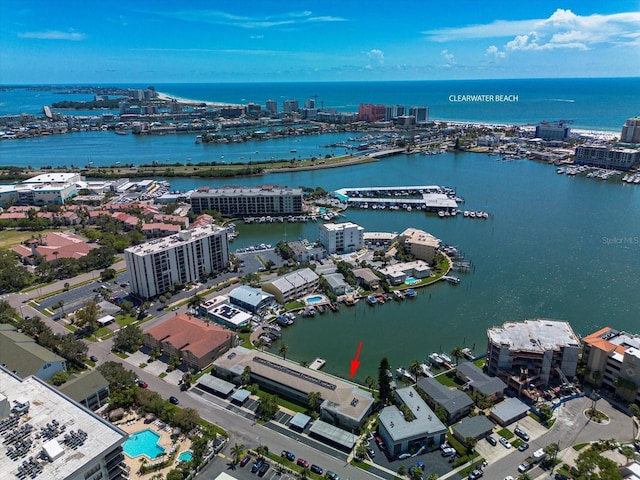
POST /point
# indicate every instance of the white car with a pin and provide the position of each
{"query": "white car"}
(508, 477)
(505, 443)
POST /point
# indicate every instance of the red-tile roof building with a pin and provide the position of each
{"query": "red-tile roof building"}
(195, 341)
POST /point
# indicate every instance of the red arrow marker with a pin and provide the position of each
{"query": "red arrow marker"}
(355, 363)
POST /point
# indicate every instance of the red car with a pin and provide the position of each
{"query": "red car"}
(303, 463)
(245, 460)
(143, 384)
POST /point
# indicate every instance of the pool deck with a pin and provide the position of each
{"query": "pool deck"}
(132, 424)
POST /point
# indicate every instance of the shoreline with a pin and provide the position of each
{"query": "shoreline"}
(189, 101)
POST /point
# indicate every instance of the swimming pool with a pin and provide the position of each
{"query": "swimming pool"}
(185, 456)
(411, 280)
(144, 442)
(316, 299)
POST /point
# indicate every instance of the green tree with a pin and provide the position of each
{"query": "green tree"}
(186, 418)
(470, 444)
(402, 471)
(59, 378)
(283, 350)
(245, 376)
(628, 451)
(546, 411)
(108, 274)
(260, 343)
(457, 353)
(432, 476)
(415, 369)
(175, 474)
(361, 451)
(128, 339)
(87, 316)
(314, 400)
(73, 350)
(370, 382)
(118, 377)
(551, 451)
(416, 472)
(236, 451)
(262, 450)
(384, 382)
(268, 407)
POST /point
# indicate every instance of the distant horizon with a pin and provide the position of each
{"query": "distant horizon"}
(151, 84)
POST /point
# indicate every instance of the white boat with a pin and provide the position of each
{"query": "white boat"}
(436, 359)
(466, 213)
(472, 214)
(441, 213)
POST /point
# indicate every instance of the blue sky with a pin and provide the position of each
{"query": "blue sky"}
(69, 41)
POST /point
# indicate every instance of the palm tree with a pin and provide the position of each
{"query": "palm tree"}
(262, 450)
(402, 470)
(245, 376)
(432, 476)
(284, 349)
(260, 343)
(314, 400)
(237, 450)
(415, 369)
(457, 353)
(551, 451)
(305, 473)
(371, 382)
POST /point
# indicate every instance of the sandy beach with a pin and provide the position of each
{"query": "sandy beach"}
(188, 101)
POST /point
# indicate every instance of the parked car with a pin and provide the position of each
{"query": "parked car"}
(93, 358)
(524, 467)
(303, 463)
(505, 443)
(475, 474)
(288, 455)
(448, 451)
(332, 476)
(560, 476)
(245, 460)
(317, 469)
(143, 384)
(174, 400)
(371, 452)
(256, 466)
(263, 469)
(491, 440)
(522, 434)
(523, 447)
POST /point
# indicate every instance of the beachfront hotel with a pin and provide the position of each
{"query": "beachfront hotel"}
(46, 435)
(248, 201)
(631, 131)
(341, 403)
(157, 265)
(343, 237)
(612, 359)
(534, 352)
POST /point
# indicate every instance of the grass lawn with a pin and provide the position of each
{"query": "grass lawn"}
(284, 403)
(11, 238)
(506, 433)
(449, 379)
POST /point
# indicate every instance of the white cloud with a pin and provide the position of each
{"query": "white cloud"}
(217, 17)
(53, 35)
(376, 57)
(448, 56)
(494, 52)
(562, 29)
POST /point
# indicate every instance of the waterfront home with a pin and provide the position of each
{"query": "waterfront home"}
(337, 284)
(366, 278)
(251, 299)
(293, 285)
(402, 433)
(455, 403)
(477, 381)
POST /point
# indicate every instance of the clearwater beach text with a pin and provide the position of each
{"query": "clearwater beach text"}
(483, 98)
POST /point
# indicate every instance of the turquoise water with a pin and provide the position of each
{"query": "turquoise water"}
(410, 281)
(185, 456)
(144, 442)
(315, 299)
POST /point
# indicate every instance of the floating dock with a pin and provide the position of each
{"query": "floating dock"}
(317, 364)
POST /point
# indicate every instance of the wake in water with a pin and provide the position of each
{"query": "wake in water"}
(568, 100)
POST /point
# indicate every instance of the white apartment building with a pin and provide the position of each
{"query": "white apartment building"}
(178, 259)
(341, 237)
(62, 440)
(293, 285)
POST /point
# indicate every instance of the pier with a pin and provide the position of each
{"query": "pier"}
(429, 198)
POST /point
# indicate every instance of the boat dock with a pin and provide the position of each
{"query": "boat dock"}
(317, 364)
(429, 198)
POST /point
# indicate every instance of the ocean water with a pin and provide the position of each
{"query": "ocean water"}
(594, 103)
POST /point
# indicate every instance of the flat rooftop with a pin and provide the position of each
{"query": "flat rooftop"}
(346, 398)
(46, 404)
(172, 241)
(534, 335)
